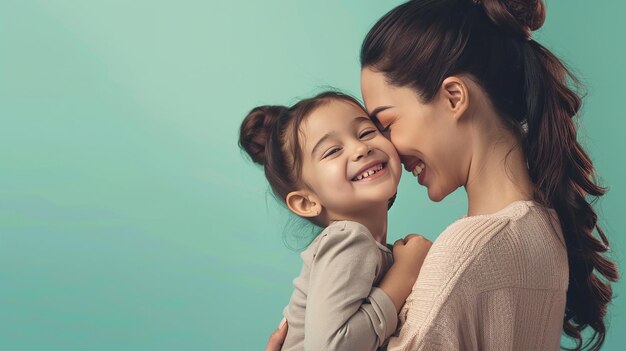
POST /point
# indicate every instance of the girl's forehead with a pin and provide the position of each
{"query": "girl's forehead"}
(333, 116)
(337, 110)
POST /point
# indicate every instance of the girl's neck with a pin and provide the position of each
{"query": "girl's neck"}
(374, 219)
(377, 224)
(498, 173)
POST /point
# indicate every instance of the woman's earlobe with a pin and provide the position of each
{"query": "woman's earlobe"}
(303, 203)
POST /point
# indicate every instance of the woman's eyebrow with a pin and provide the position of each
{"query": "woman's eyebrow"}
(373, 115)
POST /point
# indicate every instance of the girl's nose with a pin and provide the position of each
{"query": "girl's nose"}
(361, 151)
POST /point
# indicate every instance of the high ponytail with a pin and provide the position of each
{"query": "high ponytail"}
(420, 43)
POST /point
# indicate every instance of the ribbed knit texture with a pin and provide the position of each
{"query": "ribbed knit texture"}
(490, 282)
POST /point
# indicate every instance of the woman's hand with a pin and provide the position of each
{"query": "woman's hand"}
(278, 337)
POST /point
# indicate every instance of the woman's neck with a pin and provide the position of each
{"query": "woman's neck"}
(498, 173)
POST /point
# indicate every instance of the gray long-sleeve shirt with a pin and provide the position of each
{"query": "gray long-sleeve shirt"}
(335, 304)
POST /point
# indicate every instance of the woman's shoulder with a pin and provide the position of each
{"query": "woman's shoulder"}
(472, 231)
(514, 249)
(506, 248)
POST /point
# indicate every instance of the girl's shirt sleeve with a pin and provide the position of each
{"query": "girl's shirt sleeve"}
(344, 310)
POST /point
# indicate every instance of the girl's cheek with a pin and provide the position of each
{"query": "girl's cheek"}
(338, 172)
(327, 172)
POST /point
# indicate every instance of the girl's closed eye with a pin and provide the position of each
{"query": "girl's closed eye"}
(331, 152)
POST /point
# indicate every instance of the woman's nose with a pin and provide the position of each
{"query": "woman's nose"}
(361, 150)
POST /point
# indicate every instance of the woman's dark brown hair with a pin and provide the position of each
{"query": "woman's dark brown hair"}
(420, 43)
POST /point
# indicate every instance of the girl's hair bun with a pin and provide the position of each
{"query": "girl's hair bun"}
(256, 129)
(521, 17)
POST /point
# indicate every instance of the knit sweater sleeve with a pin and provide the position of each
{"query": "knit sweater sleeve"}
(344, 311)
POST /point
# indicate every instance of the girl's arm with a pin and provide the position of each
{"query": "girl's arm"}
(344, 311)
(409, 254)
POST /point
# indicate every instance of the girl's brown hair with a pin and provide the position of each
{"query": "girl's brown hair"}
(420, 43)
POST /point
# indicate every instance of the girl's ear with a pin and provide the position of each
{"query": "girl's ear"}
(455, 92)
(303, 203)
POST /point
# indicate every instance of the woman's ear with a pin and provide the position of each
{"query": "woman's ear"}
(456, 95)
(303, 203)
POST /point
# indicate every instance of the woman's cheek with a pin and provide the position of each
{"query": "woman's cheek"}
(401, 140)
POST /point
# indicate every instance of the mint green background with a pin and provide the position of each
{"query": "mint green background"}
(129, 219)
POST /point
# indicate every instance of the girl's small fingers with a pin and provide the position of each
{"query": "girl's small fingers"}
(408, 237)
(417, 239)
(398, 242)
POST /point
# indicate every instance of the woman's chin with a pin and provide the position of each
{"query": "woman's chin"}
(435, 195)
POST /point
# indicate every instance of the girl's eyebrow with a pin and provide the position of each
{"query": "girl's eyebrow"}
(361, 119)
(322, 139)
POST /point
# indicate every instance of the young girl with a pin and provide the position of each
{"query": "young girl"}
(329, 164)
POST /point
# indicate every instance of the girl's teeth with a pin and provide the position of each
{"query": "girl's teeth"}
(370, 172)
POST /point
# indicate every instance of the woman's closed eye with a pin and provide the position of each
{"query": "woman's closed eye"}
(384, 130)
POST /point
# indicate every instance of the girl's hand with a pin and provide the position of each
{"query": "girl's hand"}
(409, 253)
(278, 337)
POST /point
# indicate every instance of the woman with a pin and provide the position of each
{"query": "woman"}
(469, 99)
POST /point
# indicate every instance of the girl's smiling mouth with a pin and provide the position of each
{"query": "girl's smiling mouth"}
(371, 172)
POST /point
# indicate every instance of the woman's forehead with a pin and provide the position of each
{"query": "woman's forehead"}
(374, 88)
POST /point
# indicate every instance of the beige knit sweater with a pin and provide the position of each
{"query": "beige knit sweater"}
(490, 282)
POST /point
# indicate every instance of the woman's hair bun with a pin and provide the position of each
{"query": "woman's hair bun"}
(519, 16)
(257, 128)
